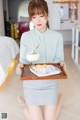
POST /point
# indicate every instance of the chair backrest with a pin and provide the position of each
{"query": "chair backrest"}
(23, 27)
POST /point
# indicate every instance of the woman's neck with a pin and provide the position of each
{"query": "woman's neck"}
(43, 29)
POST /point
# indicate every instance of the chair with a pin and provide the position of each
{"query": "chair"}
(23, 27)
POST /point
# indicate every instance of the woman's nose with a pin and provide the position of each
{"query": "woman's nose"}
(38, 19)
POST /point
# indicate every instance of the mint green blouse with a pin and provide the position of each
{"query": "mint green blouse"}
(50, 49)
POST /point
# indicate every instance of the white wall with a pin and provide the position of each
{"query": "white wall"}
(23, 10)
(79, 11)
(13, 9)
(1, 19)
(49, 1)
(67, 36)
(5, 8)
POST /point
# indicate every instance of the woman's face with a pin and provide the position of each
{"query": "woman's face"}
(40, 21)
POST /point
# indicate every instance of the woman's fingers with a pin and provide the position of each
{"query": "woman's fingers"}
(63, 65)
(20, 66)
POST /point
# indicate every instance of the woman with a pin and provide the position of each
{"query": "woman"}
(41, 92)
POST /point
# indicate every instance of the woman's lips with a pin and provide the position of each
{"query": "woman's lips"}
(39, 24)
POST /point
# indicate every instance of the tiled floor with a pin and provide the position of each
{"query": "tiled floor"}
(70, 89)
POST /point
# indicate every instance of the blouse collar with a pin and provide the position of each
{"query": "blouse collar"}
(38, 32)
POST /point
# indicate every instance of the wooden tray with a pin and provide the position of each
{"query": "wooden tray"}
(28, 75)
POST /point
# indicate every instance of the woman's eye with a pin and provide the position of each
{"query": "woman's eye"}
(41, 16)
(33, 17)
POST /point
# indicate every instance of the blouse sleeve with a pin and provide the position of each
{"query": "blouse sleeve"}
(23, 49)
(59, 55)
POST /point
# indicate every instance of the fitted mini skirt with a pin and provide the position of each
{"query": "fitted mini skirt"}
(40, 92)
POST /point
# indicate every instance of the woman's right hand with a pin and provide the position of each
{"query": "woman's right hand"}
(20, 66)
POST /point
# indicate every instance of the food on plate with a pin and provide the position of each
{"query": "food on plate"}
(44, 69)
(35, 67)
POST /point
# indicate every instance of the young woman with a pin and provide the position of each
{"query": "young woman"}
(41, 92)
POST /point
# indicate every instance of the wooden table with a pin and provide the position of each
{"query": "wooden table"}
(28, 75)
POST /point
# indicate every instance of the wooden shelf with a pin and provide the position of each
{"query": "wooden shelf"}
(68, 2)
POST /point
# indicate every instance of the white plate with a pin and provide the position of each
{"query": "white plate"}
(52, 71)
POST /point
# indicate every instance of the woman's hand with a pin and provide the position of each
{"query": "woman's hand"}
(63, 65)
(20, 66)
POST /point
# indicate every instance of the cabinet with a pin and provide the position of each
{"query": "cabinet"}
(67, 25)
(63, 15)
(76, 43)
